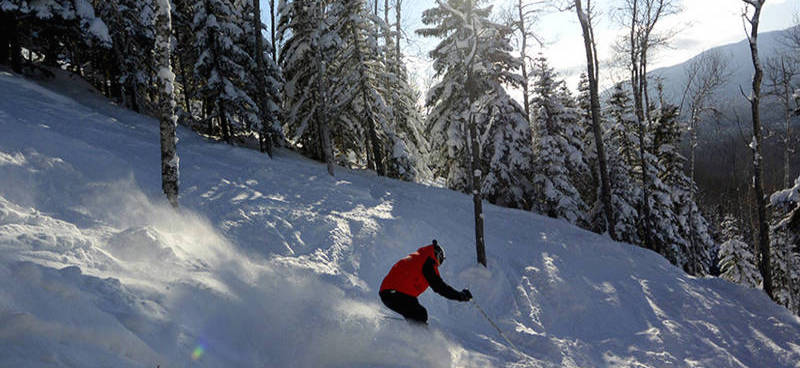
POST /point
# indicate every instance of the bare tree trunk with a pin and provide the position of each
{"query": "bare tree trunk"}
(398, 30)
(758, 170)
(477, 201)
(593, 74)
(187, 90)
(224, 123)
(166, 102)
(786, 79)
(272, 25)
(523, 52)
(265, 135)
(322, 90)
(475, 156)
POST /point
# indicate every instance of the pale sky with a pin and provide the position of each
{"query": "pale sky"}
(702, 24)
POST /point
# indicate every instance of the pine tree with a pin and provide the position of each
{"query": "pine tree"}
(737, 262)
(620, 152)
(63, 31)
(693, 226)
(785, 248)
(449, 99)
(132, 29)
(184, 58)
(506, 155)
(473, 60)
(357, 86)
(554, 149)
(310, 39)
(574, 131)
(225, 66)
(659, 210)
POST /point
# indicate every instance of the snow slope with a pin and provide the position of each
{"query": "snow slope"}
(273, 263)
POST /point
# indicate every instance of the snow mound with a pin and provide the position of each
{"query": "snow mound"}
(140, 244)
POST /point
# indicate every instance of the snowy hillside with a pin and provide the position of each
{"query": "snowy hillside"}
(273, 263)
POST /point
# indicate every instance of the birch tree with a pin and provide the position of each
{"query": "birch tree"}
(641, 17)
(593, 67)
(762, 240)
(166, 98)
(782, 72)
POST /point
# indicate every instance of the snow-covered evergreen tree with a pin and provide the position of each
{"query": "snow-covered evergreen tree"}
(554, 148)
(625, 192)
(736, 261)
(184, 57)
(489, 64)
(63, 14)
(309, 38)
(365, 114)
(620, 112)
(506, 155)
(575, 132)
(132, 29)
(665, 236)
(785, 248)
(693, 226)
(225, 65)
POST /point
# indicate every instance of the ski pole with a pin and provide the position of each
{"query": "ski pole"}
(497, 328)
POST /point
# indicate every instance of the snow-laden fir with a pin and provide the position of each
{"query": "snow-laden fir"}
(274, 263)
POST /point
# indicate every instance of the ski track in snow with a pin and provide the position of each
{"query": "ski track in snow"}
(273, 263)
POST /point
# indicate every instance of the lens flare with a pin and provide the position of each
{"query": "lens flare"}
(198, 352)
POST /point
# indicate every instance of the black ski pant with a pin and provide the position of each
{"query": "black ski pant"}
(407, 305)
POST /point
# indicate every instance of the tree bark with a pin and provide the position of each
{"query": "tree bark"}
(265, 135)
(223, 123)
(523, 53)
(786, 79)
(166, 101)
(272, 17)
(474, 151)
(322, 90)
(477, 201)
(593, 74)
(758, 170)
(398, 30)
(187, 90)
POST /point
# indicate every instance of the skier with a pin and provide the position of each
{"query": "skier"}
(411, 276)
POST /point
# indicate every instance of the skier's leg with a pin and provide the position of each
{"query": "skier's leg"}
(407, 305)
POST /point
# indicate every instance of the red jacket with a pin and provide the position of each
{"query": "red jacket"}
(406, 275)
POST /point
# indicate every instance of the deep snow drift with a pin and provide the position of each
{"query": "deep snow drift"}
(273, 263)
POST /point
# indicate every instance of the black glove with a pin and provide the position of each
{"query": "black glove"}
(465, 295)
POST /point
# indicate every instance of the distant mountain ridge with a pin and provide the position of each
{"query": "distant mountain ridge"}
(724, 161)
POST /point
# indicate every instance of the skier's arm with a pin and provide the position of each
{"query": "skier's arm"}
(437, 284)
